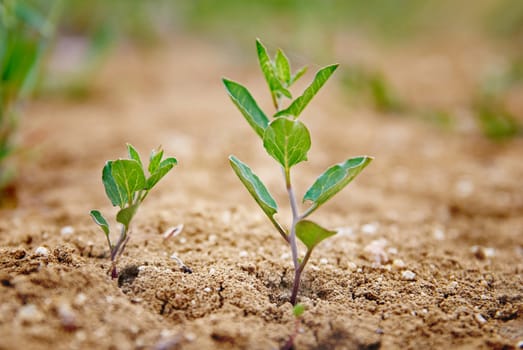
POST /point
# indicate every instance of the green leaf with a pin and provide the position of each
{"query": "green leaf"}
(125, 215)
(334, 179)
(298, 310)
(100, 221)
(117, 196)
(310, 233)
(133, 154)
(269, 71)
(129, 176)
(255, 187)
(298, 75)
(247, 105)
(154, 160)
(299, 104)
(165, 166)
(283, 67)
(287, 141)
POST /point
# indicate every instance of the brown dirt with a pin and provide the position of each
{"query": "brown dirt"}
(446, 206)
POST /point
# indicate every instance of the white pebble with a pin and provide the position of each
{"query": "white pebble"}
(352, 266)
(464, 188)
(182, 240)
(438, 234)
(369, 229)
(480, 319)
(212, 238)
(207, 290)
(212, 271)
(285, 256)
(29, 313)
(42, 251)
(398, 263)
(344, 231)
(453, 285)
(392, 251)
(408, 275)
(80, 299)
(243, 254)
(324, 261)
(190, 337)
(172, 231)
(67, 230)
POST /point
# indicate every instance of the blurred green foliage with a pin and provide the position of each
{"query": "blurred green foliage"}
(24, 35)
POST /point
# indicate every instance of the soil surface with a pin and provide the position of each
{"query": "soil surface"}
(429, 253)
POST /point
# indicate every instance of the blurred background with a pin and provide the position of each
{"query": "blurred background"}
(456, 65)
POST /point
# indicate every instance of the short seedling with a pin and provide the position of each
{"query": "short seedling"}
(287, 140)
(127, 185)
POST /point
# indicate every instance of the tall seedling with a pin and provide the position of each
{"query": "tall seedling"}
(287, 140)
(126, 185)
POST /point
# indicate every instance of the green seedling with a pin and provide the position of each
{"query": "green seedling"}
(287, 140)
(127, 185)
(297, 312)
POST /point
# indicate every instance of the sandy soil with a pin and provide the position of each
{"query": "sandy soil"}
(429, 253)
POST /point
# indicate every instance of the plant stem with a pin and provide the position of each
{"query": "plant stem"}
(289, 345)
(292, 238)
(117, 250)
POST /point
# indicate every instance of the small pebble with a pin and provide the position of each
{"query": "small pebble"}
(190, 337)
(324, 261)
(243, 254)
(408, 275)
(29, 313)
(398, 263)
(212, 271)
(207, 290)
(480, 319)
(67, 230)
(453, 285)
(182, 240)
(392, 251)
(344, 231)
(42, 251)
(80, 299)
(438, 234)
(352, 266)
(172, 231)
(369, 229)
(464, 188)
(482, 253)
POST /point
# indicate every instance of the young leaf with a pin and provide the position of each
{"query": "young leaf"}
(287, 141)
(283, 67)
(298, 310)
(129, 176)
(125, 215)
(299, 104)
(117, 196)
(154, 160)
(334, 179)
(310, 233)
(298, 75)
(255, 187)
(100, 221)
(133, 154)
(165, 166)
(242, 98)
(268, 70)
